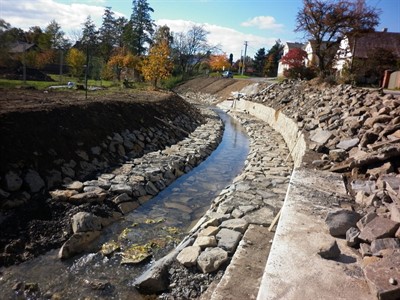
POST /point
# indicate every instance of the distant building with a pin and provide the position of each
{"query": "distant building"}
(358, 46)
(22, 47)
(288, 46)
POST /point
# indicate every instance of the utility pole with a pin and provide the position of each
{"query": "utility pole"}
(240, 64)
(244, 58)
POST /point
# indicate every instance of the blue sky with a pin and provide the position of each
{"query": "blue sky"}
(229, 22)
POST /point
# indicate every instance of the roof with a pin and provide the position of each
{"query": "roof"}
(295, 45)
(365, 42)
(21, 47)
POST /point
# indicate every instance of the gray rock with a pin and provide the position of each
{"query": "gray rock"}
(329, 250)
(121, 189)
(320, 136)
(83, 222)
(127, 207)
(228, 239)
(239, 225)
(77, 243)
(188, 256)
(12, 181)
(211, 260)
(348, 144)
(205, 242)
(339, 221)
(377, 246)
(34, 181)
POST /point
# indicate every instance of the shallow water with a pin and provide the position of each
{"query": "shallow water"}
(160, 224)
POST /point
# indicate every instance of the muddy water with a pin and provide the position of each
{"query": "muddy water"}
(159, 225)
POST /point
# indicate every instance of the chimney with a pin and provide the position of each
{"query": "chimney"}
(384, 29)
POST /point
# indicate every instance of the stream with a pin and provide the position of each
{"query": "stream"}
(161, 222)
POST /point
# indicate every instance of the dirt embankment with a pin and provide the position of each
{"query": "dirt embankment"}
(41, 131)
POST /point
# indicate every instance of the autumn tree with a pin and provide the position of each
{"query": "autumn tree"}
(326, 22)
(294, 59)
(121, 61)
(219, 62)
(273, 57)
(158, 64)
(76, 60)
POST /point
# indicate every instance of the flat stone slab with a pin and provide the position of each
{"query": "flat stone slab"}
(380, 273)
(228, 239)
(300, 232)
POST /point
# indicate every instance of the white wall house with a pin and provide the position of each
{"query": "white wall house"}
(288, 46)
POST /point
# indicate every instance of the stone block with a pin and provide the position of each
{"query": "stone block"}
(383, 277)
(188, 256)
(211, 260)
(339, 221)
(378, 228)
(239, 225)
(228, 239)
(377, 246)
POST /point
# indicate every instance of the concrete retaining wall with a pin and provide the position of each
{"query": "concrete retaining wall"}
(293, 137)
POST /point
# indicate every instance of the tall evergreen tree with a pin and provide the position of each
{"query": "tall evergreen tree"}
(89, 33)
(142, 27)
(108, 33)
(273, 56)
(259, 61)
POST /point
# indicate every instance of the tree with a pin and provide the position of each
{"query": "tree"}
(140, 27)
(158, 64)
(219, 62)
(327, 22)
(191, 48)
(121, 60)
(294, 58)
(89, 34)
(76, 60)
(379, 59)
(272, 61)
(259, 61)
(163, 33)
(108, 33)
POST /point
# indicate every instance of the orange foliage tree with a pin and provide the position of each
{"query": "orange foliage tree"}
(219, 62)
(157, 65)
(121, 61)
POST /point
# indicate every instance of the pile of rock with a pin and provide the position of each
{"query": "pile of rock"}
(19, 185)
(357, 132)
(134, 183)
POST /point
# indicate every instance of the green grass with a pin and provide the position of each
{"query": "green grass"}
(39, 85)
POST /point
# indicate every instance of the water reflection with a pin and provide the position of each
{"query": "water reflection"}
(160, 223)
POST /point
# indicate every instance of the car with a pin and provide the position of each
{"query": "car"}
(227, 74)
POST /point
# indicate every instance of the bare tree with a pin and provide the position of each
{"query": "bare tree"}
(191, 48)
(327, 22)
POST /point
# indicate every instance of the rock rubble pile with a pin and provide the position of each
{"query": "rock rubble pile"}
(356, 132)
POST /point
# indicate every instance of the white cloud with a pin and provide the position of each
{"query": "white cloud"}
(27, 13)
(228, 39)
(262, 22)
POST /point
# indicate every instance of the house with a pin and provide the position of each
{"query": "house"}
(288, 46)
(360, 44)
(21, 47)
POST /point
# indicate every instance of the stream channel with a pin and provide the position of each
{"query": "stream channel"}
(163, 221)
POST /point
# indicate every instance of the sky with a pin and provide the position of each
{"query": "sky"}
(229, 23)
